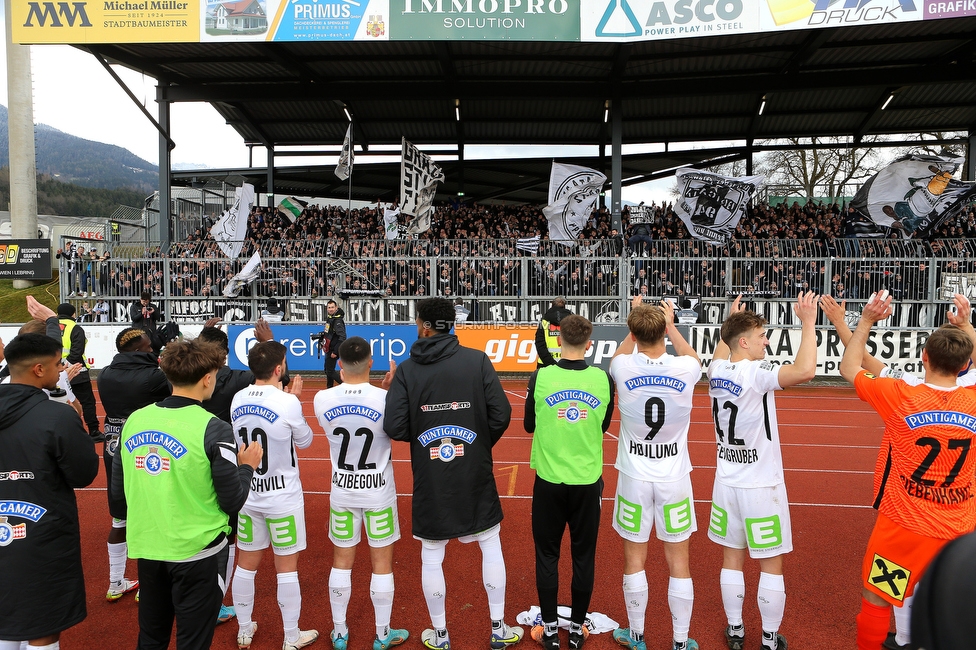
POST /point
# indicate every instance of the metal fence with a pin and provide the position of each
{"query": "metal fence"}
(381, 282)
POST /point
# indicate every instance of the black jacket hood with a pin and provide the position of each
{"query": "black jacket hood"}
(434, 348)
(338, 314)
(132, 360)
(16, 400)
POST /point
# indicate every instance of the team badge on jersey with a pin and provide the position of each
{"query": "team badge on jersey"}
(446, 451)
(888, 577)
(152, 462)
(572, 413)
(9, 533)
(21, 510)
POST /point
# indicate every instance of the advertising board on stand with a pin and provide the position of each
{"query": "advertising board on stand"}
(516, 20)
(25, 259)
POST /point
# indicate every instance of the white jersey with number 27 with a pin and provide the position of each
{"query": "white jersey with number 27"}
(744, 412)
(655, 398)
(362, 470)
(273, 418)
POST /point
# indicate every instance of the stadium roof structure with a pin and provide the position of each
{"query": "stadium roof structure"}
(837, 81)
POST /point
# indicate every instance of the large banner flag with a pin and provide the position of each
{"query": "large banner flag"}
(291, 208)
(230, 231)
(418, 185)
(248, 274)
(915, 194)
(390, 222)
(572, 192)
(528, 244)
(346, 158)
(711, 205)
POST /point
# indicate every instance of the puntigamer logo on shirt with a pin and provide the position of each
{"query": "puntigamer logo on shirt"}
(352, 409)
(950, 418)
(164, 440)
(573, 396)
(655, 380)
(254, 409)
(725, 384)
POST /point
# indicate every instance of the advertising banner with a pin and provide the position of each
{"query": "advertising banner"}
(497, 20)
(25, 259)
(388, 342)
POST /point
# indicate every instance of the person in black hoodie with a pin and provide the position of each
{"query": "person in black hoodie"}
(44, 454)
(131, 381)
(335, 334)
(447, 402)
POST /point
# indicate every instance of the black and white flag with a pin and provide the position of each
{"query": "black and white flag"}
(915, 194)
(528, 244)
(572, 192)
(418, 185)
(248, 274)
(711, 205)
(344, 168)
(231, 229)
(391, 221)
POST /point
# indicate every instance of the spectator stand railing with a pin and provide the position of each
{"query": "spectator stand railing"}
(517, 286)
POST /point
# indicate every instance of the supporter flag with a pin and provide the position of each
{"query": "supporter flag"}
(231, 229)
(418, 185)
(344, 168)
(248, 274)
(711, 205)
(390, 222)
(915, 194)
(572, 192)
(528, 244)
(291, 208)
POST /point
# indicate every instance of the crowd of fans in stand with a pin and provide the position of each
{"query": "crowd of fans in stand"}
(472, 251)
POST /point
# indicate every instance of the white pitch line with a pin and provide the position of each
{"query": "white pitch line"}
(514, 394)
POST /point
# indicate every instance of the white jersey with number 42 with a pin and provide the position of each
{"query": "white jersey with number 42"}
(362, 470)
(744, 412)
(655, 398)
(273, 418)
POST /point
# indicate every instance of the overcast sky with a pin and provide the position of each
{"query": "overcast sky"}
(74, 93)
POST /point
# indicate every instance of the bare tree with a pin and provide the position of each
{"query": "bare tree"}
(821, 167)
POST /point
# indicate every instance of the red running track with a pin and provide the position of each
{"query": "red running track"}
(830, 441)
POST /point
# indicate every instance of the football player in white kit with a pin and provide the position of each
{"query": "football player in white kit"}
(749, 504)
(363, 495)
(654, 394)
(274, 513)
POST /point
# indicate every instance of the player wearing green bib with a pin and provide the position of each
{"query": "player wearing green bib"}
(177, 470)
(568, 408)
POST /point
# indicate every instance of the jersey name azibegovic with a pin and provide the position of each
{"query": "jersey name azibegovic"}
(362, 469)
(273, 418)
(655, 399)
(746, 430)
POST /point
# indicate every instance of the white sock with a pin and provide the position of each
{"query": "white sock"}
(290, 603)
(493, 575)
(903, 621)
(635, 598)
(117, 555)
(229, 571)
(381, 592)
(11, 645)
(772, 602)
(51, 646)
(340, 591)
(435, 589)
(681, 598)
(242, 591)
(733, 595)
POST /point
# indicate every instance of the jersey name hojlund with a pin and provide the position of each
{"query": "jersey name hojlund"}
(22, 509)
(941, 495)
(168, 442)
(432, 435)
(269, 484)
(655, 380)
(352, 409)
(725, 384)
(951, 418)
(651, 450)
(573, 395)
(254, 409)
(738, 454)
(353, 481)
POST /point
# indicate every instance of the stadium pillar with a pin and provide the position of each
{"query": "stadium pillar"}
(20, 125)
(969, 173)
(749, 156)
(165, 210)
(616, 163)
(271, 186)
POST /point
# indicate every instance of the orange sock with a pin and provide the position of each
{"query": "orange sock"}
(872, 625)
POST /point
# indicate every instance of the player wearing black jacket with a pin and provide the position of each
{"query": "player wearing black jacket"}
(131, 381)
(447, 402)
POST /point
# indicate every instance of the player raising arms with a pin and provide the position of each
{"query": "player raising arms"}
(924, 475)
(749, 505)
(655, 391)
(274, 513)
(363, 492)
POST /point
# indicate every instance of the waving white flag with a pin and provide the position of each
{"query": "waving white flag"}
(418, 185)
(344, 168)
(711, 205)
(248, 274)
(230, 231)
(390, 222)
(572, 192)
